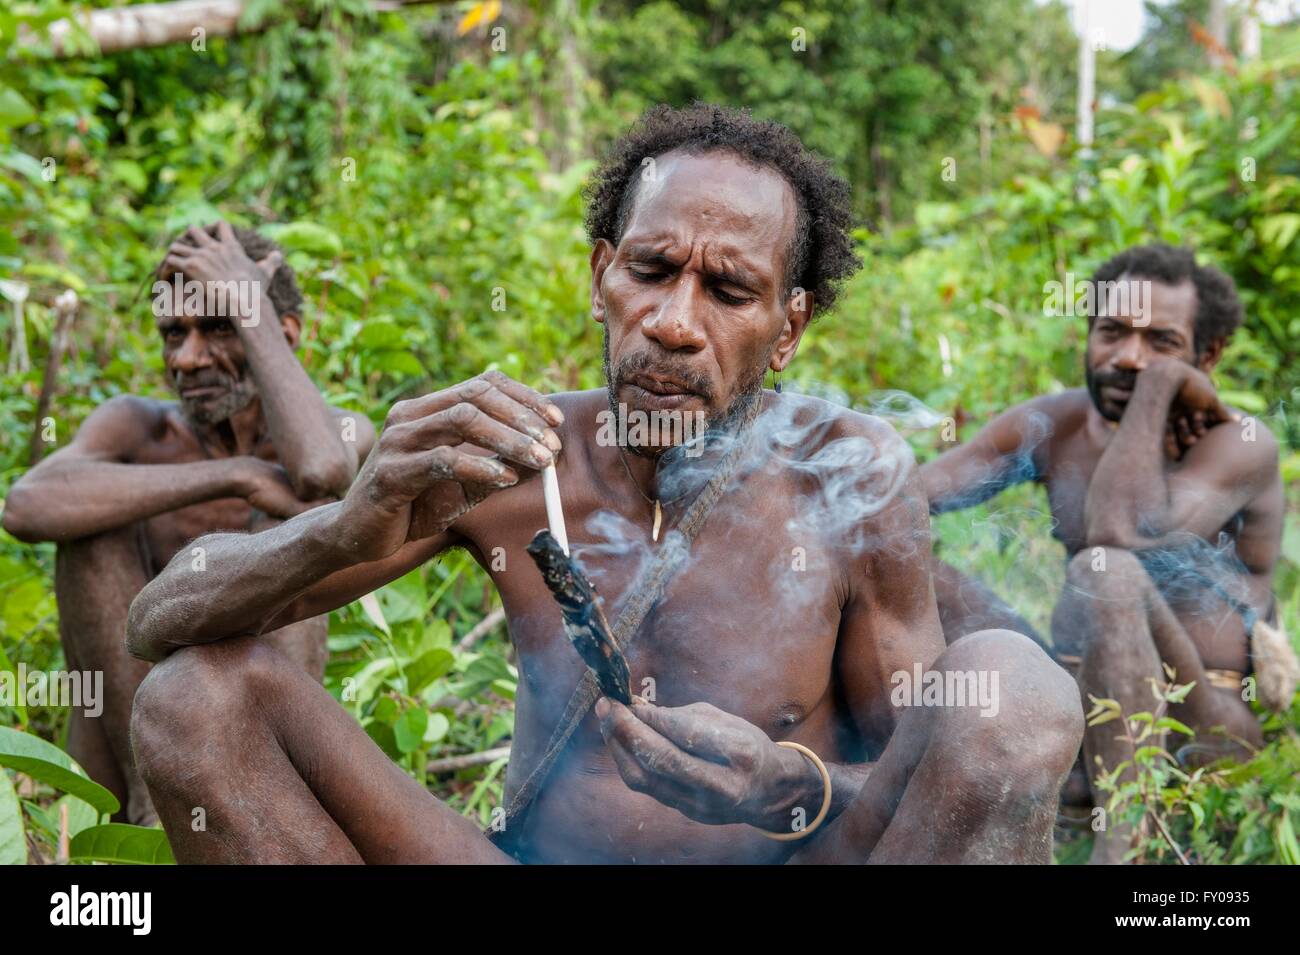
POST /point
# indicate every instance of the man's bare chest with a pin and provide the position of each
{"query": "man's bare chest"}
(748, 621)
(169, 532)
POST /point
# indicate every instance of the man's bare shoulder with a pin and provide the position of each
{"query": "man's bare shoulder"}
(814, 424)
(130, 417)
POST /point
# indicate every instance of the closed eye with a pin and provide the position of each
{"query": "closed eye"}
(727, 298)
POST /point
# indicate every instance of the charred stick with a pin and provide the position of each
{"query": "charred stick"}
(584, 621)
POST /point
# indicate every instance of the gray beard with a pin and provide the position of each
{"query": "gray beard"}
(208, 413)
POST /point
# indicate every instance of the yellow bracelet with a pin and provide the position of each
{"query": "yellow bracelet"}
(826, 797)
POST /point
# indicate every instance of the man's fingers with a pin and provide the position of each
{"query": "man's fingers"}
(473, 391)
(225, 233)
(527, 396)
(198, 237)
(654, 753)
(517, 415)
(466, 422)
(698, 729)
(271, 264)
(453, 464)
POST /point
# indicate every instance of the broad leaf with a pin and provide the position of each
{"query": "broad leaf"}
(47, 763)
(123, 844)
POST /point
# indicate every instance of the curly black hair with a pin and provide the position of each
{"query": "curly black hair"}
(1218, 309)
(821, 256)
(283, 288)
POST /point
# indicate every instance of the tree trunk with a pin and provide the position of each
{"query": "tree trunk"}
(149, 24)
(160, 24)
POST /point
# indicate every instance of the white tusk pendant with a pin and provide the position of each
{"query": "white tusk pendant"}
(659, 517)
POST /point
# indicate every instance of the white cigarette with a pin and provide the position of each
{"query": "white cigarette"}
(554, 510)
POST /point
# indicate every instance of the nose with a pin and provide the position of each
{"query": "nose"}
(193, 354)
(1132, 353)
(675, 325)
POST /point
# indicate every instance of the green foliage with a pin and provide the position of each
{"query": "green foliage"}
(1221, 813)
(76, 816)
(427, 189)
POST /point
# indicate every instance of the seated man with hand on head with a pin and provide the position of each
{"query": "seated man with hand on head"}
(704, 277)
(249, 441)
(1168, 503)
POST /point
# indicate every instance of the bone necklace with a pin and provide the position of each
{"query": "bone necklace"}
(659, 511)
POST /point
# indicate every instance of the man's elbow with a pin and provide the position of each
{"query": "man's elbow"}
(139, 630)
(22, 515)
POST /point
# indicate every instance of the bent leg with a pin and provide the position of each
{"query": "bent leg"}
(250, 760)
(954, 786)
(95, 580)
(1124, 632)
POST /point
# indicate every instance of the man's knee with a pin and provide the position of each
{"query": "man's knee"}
(1107, 572)
(192, 694)
(1026, 730)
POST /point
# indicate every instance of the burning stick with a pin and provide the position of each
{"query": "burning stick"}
(584, 621)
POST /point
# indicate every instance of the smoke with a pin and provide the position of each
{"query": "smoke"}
(802, 502)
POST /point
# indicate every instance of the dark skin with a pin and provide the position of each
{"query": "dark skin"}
(1154, 459)
(695, 285)
(143, 478)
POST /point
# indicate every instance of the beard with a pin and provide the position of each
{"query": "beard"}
(238, 394)
(725, 421)
(1126, 380)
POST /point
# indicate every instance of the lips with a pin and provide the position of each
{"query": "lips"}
(200, 391)
(660, 385)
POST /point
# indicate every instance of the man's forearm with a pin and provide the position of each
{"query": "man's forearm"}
(1128, 496)
(309, 445)
(240, 584)
(80, 498)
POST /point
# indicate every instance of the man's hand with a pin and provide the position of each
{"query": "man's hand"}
(441, 454)
(267, 488)
(202, 258)
(709, 765)
(1194, 406)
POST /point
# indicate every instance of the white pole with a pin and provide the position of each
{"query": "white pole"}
(1087, 77)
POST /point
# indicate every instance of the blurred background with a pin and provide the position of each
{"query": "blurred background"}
(415, 157)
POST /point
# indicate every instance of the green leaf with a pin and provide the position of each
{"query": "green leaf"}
(14, 110)
(438, 727)
(428, 668)
(130, 174)
(13, 841)
(306, 237)
(408, 731)
(383, 736)
(1286, 842)
(1169, 723)
(47, 763)
(403, 598)
(123, 844)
